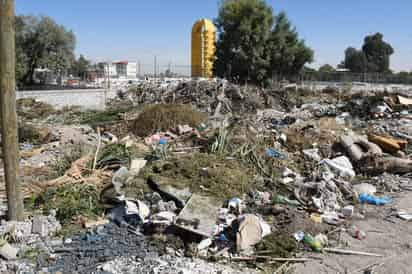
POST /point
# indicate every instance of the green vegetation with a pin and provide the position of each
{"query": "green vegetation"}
(41, 42)
(71, 201)
(373, 57)
(117, 152)
(253, 45)
(80, 67)
(205, 173)
(98, 118)
(63, 163)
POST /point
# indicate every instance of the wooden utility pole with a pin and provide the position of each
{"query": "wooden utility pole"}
(8, 110)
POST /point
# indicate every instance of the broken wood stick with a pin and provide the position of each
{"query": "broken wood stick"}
(350, 252)
(270, 259)
(99, 143)
(295, 260)
(221, 252)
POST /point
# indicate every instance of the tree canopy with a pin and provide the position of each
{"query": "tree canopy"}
(373, 57)
(254, 45)
(80, 67)
(41, 42)
(326, 68)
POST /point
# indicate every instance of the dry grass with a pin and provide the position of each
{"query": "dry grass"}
(163, 117)
(323, 132)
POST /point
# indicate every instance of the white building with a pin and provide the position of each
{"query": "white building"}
(122, 70)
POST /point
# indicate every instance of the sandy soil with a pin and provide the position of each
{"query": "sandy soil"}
(386, 235)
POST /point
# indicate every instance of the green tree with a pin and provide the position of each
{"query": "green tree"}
(355, 60)
(377, 52)
(374, 56)
(326, 68)
(41, 42)
(252, 45)
(287, 53)
(80, 67)
(244, 28)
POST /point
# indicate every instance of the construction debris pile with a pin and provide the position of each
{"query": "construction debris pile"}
(207, 96)
(209, 177)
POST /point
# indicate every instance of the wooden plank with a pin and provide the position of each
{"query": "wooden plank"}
(8, 110)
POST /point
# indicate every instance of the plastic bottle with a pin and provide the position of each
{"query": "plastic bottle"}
(356, 233)
(314, 244)
(279, 199)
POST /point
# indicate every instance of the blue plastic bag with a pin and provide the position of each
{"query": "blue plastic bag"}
(270, 152)
(365, 198)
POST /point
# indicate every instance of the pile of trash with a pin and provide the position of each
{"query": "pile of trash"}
(214, 97)
(245, 187)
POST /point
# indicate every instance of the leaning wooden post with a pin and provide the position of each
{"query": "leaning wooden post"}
(10, 143)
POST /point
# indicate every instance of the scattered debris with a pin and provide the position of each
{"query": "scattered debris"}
(208, 170)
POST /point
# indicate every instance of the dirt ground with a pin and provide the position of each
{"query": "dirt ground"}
(389, 236)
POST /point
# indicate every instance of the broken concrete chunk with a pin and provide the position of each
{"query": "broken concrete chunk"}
(40, 226)
(45, 225)
(165, 216)
(167, 189)
(119, 179)
(136, 165)
(199, 215)
(312, 154)
(8, 252)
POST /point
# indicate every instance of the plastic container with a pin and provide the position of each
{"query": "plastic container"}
(312, 243)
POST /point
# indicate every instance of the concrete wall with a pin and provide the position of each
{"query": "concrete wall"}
(86, 98)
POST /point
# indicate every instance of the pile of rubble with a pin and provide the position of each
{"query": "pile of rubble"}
(208, 96)
(249, 188)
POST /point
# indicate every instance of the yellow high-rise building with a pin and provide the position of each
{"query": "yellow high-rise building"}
(203, 48)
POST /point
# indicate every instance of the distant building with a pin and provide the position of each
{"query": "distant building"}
(342, 70)
(122, 70)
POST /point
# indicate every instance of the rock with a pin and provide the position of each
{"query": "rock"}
(169, 192)
(312, 154)
(45, 225)
(165, 216)
(165, 206)
(39, 226)
(277, 209)
(119, 179)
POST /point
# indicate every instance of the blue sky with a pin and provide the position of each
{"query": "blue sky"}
(139, 29)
